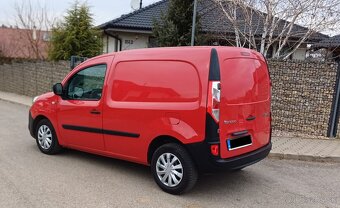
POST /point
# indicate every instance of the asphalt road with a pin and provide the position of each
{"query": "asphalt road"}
(75, 179)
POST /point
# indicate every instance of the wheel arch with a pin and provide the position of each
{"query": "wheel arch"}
(40, 117)
(159, 141)
(37, 120)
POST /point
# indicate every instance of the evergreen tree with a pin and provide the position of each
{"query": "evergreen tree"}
(174, 27)
(75, 35)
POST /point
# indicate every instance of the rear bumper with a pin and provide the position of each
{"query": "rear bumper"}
(205, 162)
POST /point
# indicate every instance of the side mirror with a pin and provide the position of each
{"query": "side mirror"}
(58, 89)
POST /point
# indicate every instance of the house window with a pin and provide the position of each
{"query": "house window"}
(46, 36)
(129, 42)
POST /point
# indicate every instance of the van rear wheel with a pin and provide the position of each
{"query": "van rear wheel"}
(173, 169)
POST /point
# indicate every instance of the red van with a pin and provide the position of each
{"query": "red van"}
(179, 110)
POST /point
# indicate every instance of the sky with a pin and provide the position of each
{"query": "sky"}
(102, 10)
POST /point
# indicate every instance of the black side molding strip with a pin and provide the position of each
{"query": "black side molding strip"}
(100, 131)
(120, 133)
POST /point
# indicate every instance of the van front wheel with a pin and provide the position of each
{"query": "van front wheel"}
(46, 138)
(173, 169)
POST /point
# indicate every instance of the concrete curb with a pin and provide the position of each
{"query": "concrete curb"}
(314, 150)
(308, 158)
(15, 98)
(14, 102)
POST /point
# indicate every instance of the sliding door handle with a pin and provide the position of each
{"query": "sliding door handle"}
(95, 112)
(251, 118)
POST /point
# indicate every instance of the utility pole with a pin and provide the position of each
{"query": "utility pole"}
(193, 24)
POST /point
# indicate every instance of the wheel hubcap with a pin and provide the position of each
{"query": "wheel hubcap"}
(44, 137)
(169, 169)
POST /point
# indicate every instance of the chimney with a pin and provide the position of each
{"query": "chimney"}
(34, 33)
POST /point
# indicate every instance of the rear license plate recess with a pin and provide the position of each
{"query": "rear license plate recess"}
(240, 142)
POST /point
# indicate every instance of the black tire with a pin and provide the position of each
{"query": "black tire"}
(189, 171)
(54, 148)
(238, 169)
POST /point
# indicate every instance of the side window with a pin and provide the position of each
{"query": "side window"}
(87, 84)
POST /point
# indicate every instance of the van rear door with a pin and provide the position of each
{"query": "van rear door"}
(245, 116)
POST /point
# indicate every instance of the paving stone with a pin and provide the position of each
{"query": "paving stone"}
(321, 150)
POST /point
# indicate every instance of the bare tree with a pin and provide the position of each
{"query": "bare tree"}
(35, 20)
(264, 24)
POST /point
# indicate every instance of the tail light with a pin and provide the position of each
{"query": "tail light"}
(214, 99)
(214, 149)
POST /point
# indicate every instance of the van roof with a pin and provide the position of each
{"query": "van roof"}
(178, 52)
(179, 49)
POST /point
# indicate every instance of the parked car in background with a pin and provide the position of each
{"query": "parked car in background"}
(179, 110)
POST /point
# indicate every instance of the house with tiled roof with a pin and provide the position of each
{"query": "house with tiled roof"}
(16, 43)
(134, 30)
(332, 45)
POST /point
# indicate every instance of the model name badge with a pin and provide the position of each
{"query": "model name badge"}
(230, 121)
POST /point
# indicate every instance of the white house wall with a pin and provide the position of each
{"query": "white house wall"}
(109, 44)
(134, 41)
(129, 41)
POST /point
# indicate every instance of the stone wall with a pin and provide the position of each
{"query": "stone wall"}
(31, 78)
(301, 99)
(302, 96)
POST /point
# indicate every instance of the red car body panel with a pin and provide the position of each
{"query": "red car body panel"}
(151, 93)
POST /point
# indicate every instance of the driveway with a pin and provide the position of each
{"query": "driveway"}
(75, 179)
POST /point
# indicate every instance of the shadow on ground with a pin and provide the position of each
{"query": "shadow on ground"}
(220, 183)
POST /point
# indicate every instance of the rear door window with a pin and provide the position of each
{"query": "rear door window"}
(245, 81)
